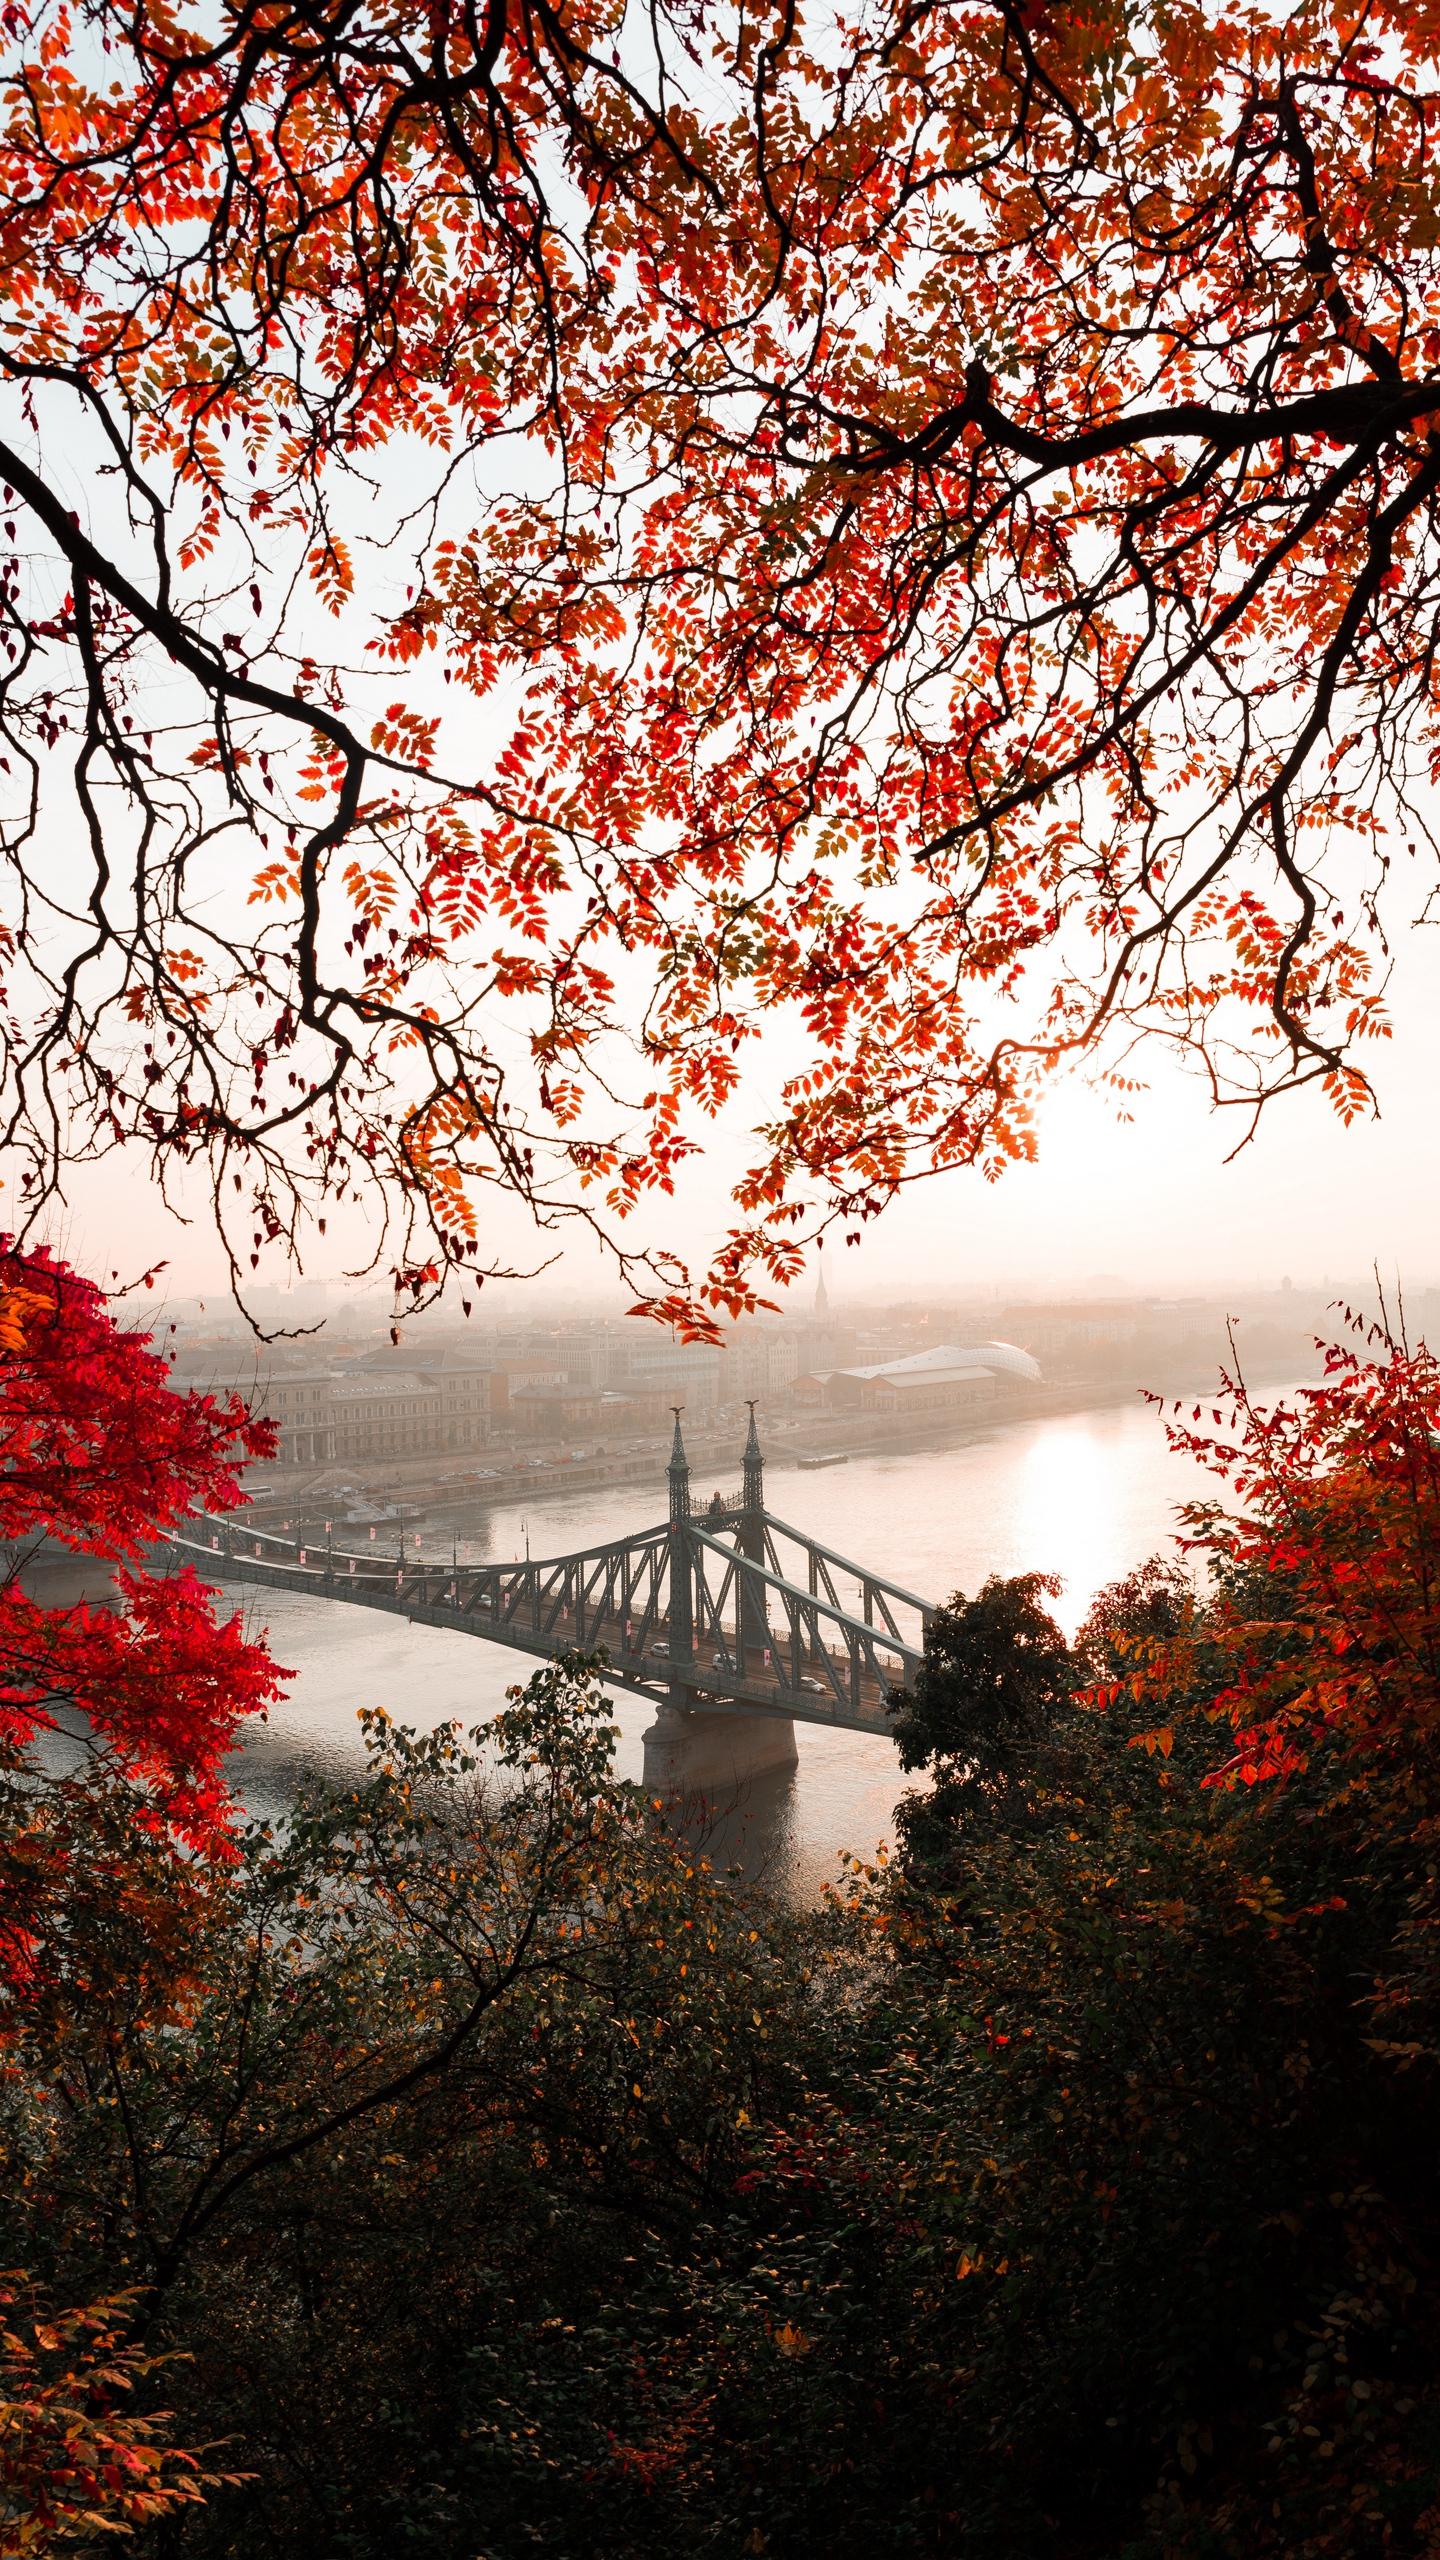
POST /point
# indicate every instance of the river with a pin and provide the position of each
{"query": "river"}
(1085, 1495)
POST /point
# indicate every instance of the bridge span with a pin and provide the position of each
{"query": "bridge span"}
(732, 1623)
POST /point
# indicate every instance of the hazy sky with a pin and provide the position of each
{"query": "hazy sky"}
(1154, 1202)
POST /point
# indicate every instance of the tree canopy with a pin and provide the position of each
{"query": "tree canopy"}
(995, 1676)
(547, 539)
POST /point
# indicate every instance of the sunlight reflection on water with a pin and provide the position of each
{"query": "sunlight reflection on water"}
(1084, 1495)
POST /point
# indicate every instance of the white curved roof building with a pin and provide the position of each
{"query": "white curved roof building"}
(1002, 1355)
(948, 1358)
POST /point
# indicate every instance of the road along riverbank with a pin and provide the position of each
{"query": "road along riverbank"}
(417, 1488)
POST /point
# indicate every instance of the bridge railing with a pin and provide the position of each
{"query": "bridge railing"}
(813, 1645)
(748, 1635)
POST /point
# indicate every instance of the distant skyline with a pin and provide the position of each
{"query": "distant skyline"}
(338, 1314)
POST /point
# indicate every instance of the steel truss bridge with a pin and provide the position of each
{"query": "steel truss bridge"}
(723, 1607)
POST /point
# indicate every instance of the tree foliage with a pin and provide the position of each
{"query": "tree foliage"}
(926, 517)
(1325, 1632)
(103, 1456)
(445, 2053)
(74, 2463)
(995, 1674)
(1045, 2200)
(512, 2180)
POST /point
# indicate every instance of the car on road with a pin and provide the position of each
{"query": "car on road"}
(817, 1688)
(660, 1653)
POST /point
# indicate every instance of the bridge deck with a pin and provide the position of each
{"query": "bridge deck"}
(517, 1606)
(699, 1611)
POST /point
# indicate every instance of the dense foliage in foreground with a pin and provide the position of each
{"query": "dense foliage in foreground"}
(510, 2182)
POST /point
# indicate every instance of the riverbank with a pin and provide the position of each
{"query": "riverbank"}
(1086, 1494)
(412, 1487)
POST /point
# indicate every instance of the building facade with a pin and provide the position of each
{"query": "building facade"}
(1052, 1331)
(643, 1363)
(941, 1381)
(446, 1406)
(760, 1361)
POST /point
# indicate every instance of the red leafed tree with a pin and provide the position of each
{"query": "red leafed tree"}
(74, 2463)
(1322, 1636)
(102, 1454)
(532, 546)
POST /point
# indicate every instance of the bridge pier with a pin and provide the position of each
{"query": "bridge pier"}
(711, 1751)
(707, 1750)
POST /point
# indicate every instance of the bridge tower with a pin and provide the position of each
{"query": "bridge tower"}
(754, 1465)
(752, 1627)
(682, 1580)
(710, 1750)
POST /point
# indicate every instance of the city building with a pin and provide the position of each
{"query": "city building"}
(944, 1380)
(638, 1360)
(937, 1387)
(556, 1356)
(762, 1362)
(1002, 1359)
(548, 1412)
(635, 1412)
(1050, 1332)
(443, 1402)
(299, 1407)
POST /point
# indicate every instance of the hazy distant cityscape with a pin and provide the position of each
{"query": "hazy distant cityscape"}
(366, 1402)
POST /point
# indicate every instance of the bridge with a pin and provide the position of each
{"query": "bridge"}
(735, 1625)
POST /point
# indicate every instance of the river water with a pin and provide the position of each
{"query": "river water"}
(1085, 1495)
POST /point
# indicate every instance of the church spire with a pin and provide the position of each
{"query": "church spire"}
(822, 1303)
